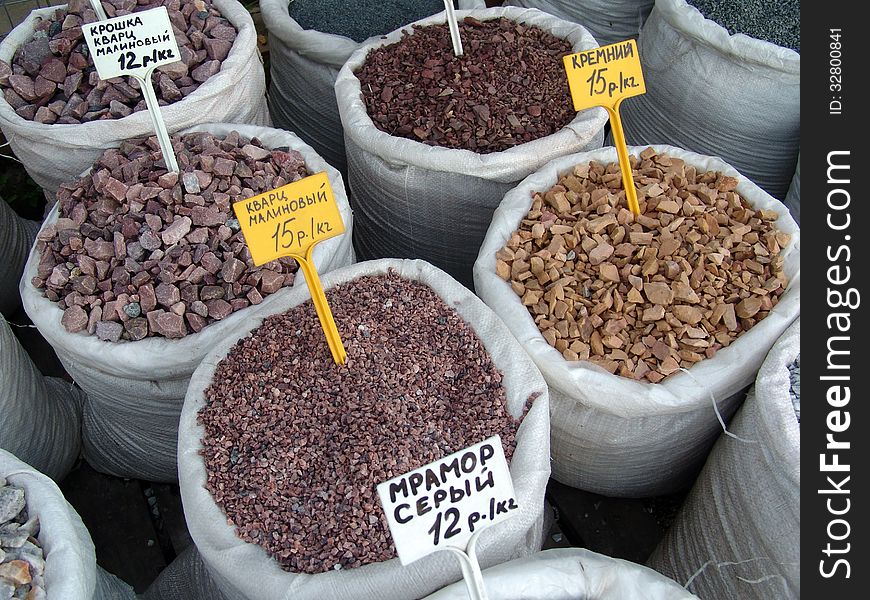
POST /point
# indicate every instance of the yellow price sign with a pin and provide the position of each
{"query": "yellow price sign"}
(606, 76)
(603, 76)
(290, 221)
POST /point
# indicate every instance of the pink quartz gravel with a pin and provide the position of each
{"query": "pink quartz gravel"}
(51, 78)
(137, 251)
(295, 445)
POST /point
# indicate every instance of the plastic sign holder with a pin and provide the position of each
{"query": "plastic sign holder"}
(134, 45)
(454, 28)
(606, 76)
(447, 504)
(290, 221)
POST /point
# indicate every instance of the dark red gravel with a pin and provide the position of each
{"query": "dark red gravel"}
(509, 87)
(294, 444)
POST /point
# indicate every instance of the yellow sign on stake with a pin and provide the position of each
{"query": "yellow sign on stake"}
(290, 221)
(606, 76)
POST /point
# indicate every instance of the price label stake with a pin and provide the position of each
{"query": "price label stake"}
(99, 10)
(290, 221)
(135, 45)
(446, 504)
(454, 28)
(605, 77)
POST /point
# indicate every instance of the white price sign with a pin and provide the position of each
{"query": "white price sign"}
(132, 44)
(444, 503)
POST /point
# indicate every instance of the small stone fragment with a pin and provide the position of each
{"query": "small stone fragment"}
(669, 366)
(217, 49)
(109, 331)
(658, 292)
(688, 314)
(149, 240)
(11, 502)
(23, 86)
(171, 325)
(211, 292)
(169, 90)
(748, 307)
(206, 70)
(609, 272)
(116, 189)
(176, 231)
(167, 294)
(270, 281)
(168, 180)
(16, 571)
(218, 309)
(191, 183)
(196, 322)
(74, 319)
(132, 310)
(207, 216)
(147, 298)
(600, 253)
(232, 269)
(653, 313)
(255, 152)
(136, 328)
(44, 115)
(5, 72)
(668, 206)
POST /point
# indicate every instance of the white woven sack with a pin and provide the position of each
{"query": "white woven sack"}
(303, 64)
(71, 571)
(185, 578)
(188, 578)
(232, 561)
(136, 389)
(737, 536)
(16, 238)
(53, 154)
(723, 95)
(616, 436)
(570, 574)
(419, 201)
(40, 417)
(793, 198)
(609, 21)
(110, 587)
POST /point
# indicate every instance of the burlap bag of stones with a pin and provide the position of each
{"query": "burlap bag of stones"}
(136, 389)
(230, 561)
(570, 574)
(418, 201)
(53, 154)
(16, 238)
(40, 417)
(735, 97)
(614, 435)
(71, 570)
(737, 536)
(303, 65)
(609, 21)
